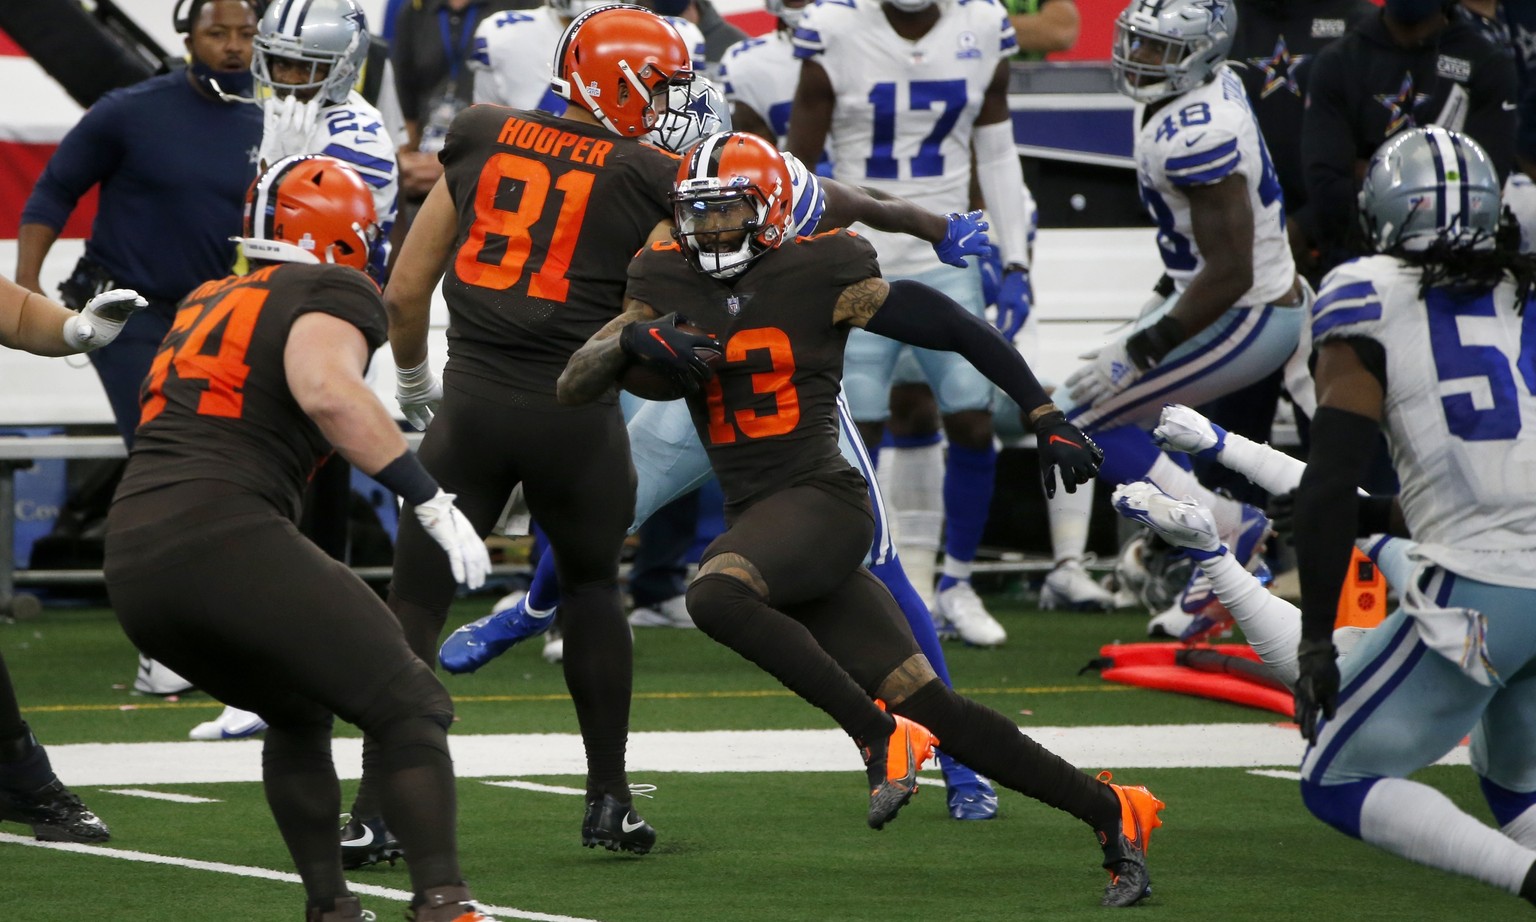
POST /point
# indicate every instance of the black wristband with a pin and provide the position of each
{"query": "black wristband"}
(1147, 347)
(407, 479)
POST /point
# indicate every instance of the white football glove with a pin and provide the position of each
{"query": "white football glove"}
(419, 393)
(1186, 430)
(102, 318)
(467, 556)
(1108, 372)
(286, 124)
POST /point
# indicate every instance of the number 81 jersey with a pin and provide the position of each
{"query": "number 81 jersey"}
(1197, 139)
(905, 109)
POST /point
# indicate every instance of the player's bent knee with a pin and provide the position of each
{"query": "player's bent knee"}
(1338, 805)
(910, 676)
(413, 708)
(714, 599)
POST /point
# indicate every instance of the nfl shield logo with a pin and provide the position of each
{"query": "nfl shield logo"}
(733, 305)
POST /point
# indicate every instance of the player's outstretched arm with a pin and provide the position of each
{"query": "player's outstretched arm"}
(954, 236)
(35, 324)
(915, 314)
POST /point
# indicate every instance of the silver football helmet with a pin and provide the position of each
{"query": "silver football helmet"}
(1165, 47)
(570, 9)
(695, 110)
(330, 36)
(1426, 185)
(788, 15)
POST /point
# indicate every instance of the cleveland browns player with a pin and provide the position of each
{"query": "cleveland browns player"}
(784, 586)
(259, 379)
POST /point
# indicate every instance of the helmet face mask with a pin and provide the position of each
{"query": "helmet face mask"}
(790, 16)
(330, 37)
(731, 203)
(694, 111)
(309, 209)
(1166, 47)
(1426, 186)
(620, 64)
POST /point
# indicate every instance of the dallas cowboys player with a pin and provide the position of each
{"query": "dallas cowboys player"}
(1429, 341)
(907, 91)
(514, 50)
(1237, 307)
(759, 75)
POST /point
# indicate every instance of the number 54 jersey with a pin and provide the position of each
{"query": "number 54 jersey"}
(550, 211)
(1459, 410)
(1197, 139)
(905, 110)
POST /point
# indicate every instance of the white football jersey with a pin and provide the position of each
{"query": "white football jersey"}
(905, 110)
(761, 74)
(354, 133)
(806, 199)
(1199, 138)
(1460, 411)
(514, 57)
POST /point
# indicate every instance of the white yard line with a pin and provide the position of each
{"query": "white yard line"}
(539, 788)
(164, 795)
(240, 870)
(1282, 774)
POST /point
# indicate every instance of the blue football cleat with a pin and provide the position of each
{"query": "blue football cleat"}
(479, 642)
(970, 797)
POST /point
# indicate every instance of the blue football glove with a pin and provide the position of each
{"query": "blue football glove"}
(991, 274)
(965, 236)
(1015, 296)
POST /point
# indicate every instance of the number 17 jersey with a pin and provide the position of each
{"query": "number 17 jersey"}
(550, 211)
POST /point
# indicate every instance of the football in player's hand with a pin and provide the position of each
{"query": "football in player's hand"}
(659, 382)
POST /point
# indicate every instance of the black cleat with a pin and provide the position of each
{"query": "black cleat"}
(54, 813)
(365, 842)
(1125, 845)
(616, 826)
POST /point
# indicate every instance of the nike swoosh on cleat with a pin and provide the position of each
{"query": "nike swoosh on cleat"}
(627, 826)
(362, 841)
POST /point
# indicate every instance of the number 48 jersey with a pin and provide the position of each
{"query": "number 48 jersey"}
(905, 110)
(1198, 139)
(1459, 410)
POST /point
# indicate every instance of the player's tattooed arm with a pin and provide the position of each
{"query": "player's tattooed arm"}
(860, 301)
(594, 368)
(880, 210)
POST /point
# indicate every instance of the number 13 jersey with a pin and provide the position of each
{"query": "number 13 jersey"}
(550, 211)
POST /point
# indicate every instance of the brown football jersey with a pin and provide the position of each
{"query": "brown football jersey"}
(216, 404)
(768, 418)
(550, 213)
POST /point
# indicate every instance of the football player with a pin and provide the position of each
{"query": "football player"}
(670, 462)
(1399, 338)
(760, 74)
(907, 91)
(784, 585)
(1236, 307)
(30, 792)
(259, 379)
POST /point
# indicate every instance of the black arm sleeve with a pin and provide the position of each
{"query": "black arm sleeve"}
(917, 315)
(1327, 509)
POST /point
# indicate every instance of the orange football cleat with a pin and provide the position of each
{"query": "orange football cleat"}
(892, 765)
(1125, 846)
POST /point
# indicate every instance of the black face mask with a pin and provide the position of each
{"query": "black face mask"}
(1413, 12)
(230, 86)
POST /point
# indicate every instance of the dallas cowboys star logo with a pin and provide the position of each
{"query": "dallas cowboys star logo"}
(1402, 106)
(1279, 70)
(1217, 9)
(700, 107)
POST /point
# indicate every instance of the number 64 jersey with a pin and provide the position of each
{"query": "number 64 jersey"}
(1197, 139)
(1459, 410)
(905, 110)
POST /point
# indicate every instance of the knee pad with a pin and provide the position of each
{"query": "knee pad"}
(1338, 805)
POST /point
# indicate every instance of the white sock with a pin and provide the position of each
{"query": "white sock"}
(958, 569)
(1271, 625)
(1522, 828)
(1271, 469)
(1181, 484)
(912, 482)
(1421, 824)
(1069, 515)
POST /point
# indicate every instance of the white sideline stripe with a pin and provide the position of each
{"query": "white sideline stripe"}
(240, 870)
(165, 795)
(1235, 745)
(535, 786)
(1276, 773)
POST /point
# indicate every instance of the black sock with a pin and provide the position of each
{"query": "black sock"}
(24, 764)
(992, 745)
(599, 671)
(11, 724)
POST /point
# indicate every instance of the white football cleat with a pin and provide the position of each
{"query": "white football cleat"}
(231, 724)
(155, 678)
(554, 645)
(1183, 429)
(671, 613)
(962, 608)
(1182, 523)
(1070, 587)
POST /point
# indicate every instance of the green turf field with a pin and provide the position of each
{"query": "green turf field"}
(775, 845)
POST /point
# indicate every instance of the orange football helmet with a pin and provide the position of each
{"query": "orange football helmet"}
(732, 203)
(309, 209)
(614, 61)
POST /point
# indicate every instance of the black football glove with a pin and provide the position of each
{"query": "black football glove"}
(663, 344)
(1063, 445)
(1317, 685)
(1282, 515)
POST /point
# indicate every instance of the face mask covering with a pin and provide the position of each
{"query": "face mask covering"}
(1412, 12)
(230, 86)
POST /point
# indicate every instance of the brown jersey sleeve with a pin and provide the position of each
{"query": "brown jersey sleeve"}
(352, 296)
(654, 272)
